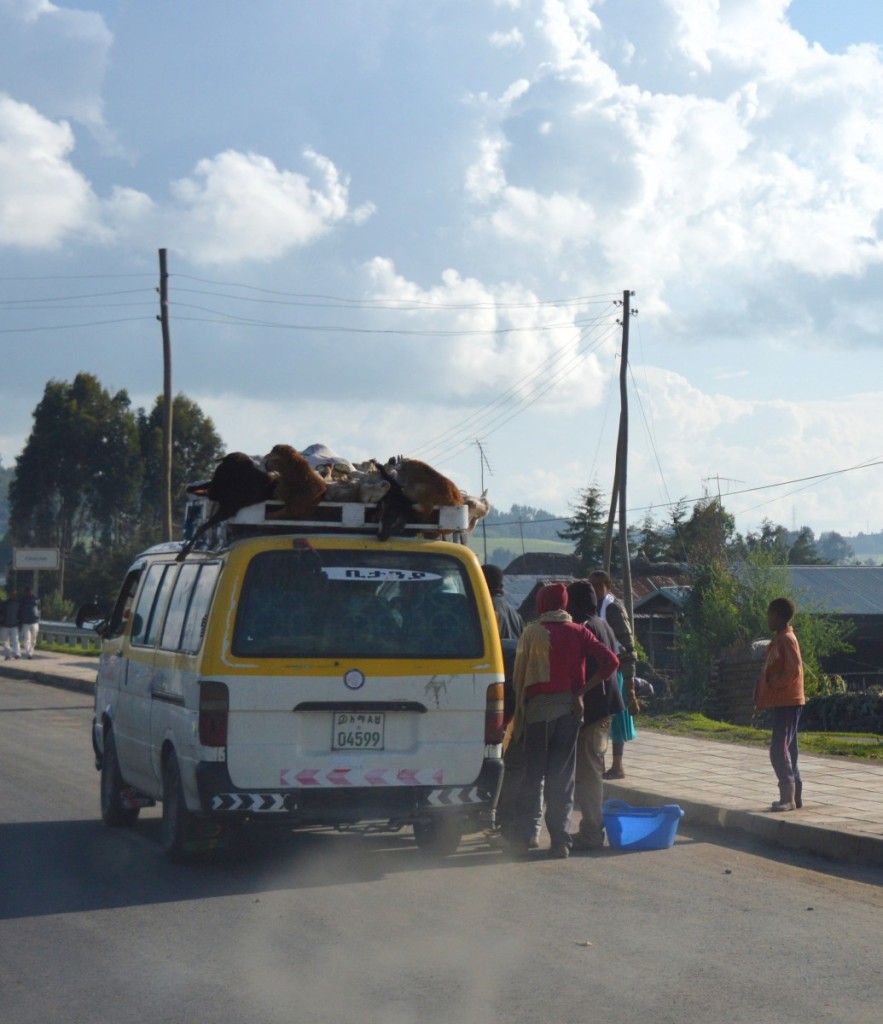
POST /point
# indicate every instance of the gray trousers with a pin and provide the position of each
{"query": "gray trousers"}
(549, 770)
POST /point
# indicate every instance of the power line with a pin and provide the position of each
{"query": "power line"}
(396, 304)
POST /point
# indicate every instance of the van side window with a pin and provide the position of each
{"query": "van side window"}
(197, 613)
(178, 604)
(148, 610)
(188, 608)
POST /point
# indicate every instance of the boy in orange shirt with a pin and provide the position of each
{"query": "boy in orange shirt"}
(780, 688)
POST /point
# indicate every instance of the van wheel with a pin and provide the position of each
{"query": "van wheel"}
(178, 824)
(113, 811)
(438, 837)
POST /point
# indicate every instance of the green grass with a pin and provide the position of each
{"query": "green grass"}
(87, 652)
(860, 746)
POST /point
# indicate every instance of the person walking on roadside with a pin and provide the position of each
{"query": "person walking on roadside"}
(600, 704)
(550, 681)
(29, 622)
(780, 688)
(9, 627)
(622, 727)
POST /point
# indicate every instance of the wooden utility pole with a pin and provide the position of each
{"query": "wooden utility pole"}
(620, 472)
(622, 449)
(167, 396)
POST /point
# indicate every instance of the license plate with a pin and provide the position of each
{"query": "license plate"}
(354, 731)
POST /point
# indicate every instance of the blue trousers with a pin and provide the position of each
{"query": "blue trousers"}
(783, 745)
(549, 771)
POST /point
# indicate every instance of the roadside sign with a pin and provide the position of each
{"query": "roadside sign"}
(36, 558)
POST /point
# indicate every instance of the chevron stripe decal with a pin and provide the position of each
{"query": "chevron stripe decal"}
(258, 802)
(453, 797)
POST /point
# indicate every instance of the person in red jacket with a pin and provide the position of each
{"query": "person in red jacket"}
(780, 688)
(550, 681)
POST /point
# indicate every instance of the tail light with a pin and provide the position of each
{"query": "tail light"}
(214, 706)
(494, 726)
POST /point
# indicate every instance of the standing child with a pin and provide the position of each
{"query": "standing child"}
(780, 688)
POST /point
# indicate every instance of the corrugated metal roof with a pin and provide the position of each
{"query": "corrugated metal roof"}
(517, 588)
(841, 589)
(676, 595)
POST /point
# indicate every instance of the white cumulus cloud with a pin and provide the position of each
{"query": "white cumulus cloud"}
(43, 198)
(240, 206)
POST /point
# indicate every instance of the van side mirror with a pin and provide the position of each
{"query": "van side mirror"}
(89, 616)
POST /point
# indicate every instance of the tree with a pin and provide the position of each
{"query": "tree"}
(652, 540)
(587, 528)
(833, 547)
(727, 608)
(196, 448)
(771, 540)
(77, 479)
(803, 550)
(708, 535)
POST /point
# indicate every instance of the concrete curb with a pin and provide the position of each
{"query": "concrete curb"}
(32, 674)
(784, 830)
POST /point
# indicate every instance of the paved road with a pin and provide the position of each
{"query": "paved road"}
(95, 925)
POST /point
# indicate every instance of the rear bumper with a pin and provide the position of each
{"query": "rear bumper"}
(347, 805)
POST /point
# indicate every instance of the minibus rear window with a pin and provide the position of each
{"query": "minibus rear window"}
(306, 602)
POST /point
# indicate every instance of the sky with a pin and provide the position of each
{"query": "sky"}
(402, 227)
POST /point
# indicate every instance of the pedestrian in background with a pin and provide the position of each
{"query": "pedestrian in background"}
(600, 704)
(9, 627)
(622, 728)
(29, 622)
(780, 688)
(550, 681)
(509, 621)
(510, 627)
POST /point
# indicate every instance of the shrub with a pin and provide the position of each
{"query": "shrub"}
(845, 712)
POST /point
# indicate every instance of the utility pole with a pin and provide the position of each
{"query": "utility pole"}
(167, 396)
(623, 453)
(620, 473)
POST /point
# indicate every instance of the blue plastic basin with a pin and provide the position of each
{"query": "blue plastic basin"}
(641, 828)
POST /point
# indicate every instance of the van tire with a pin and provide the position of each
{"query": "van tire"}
(438, 837)
(113, 812)
(178, 824)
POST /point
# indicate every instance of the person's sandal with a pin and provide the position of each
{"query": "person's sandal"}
(612, 773)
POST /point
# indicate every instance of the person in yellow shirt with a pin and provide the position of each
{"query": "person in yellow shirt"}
(780, 688)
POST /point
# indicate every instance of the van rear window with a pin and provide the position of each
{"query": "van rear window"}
(306, 602)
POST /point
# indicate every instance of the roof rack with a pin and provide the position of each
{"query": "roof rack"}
(329, 517)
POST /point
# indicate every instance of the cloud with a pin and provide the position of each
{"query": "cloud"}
(36, 35)
(239, 206)
(511, 40)
(505, 342)
(43, 198)
(770, 163)
(236, 207)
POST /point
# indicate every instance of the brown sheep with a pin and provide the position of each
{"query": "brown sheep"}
(300, 488)
(424, 486)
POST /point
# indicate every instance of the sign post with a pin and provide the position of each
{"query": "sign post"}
(36, 560)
